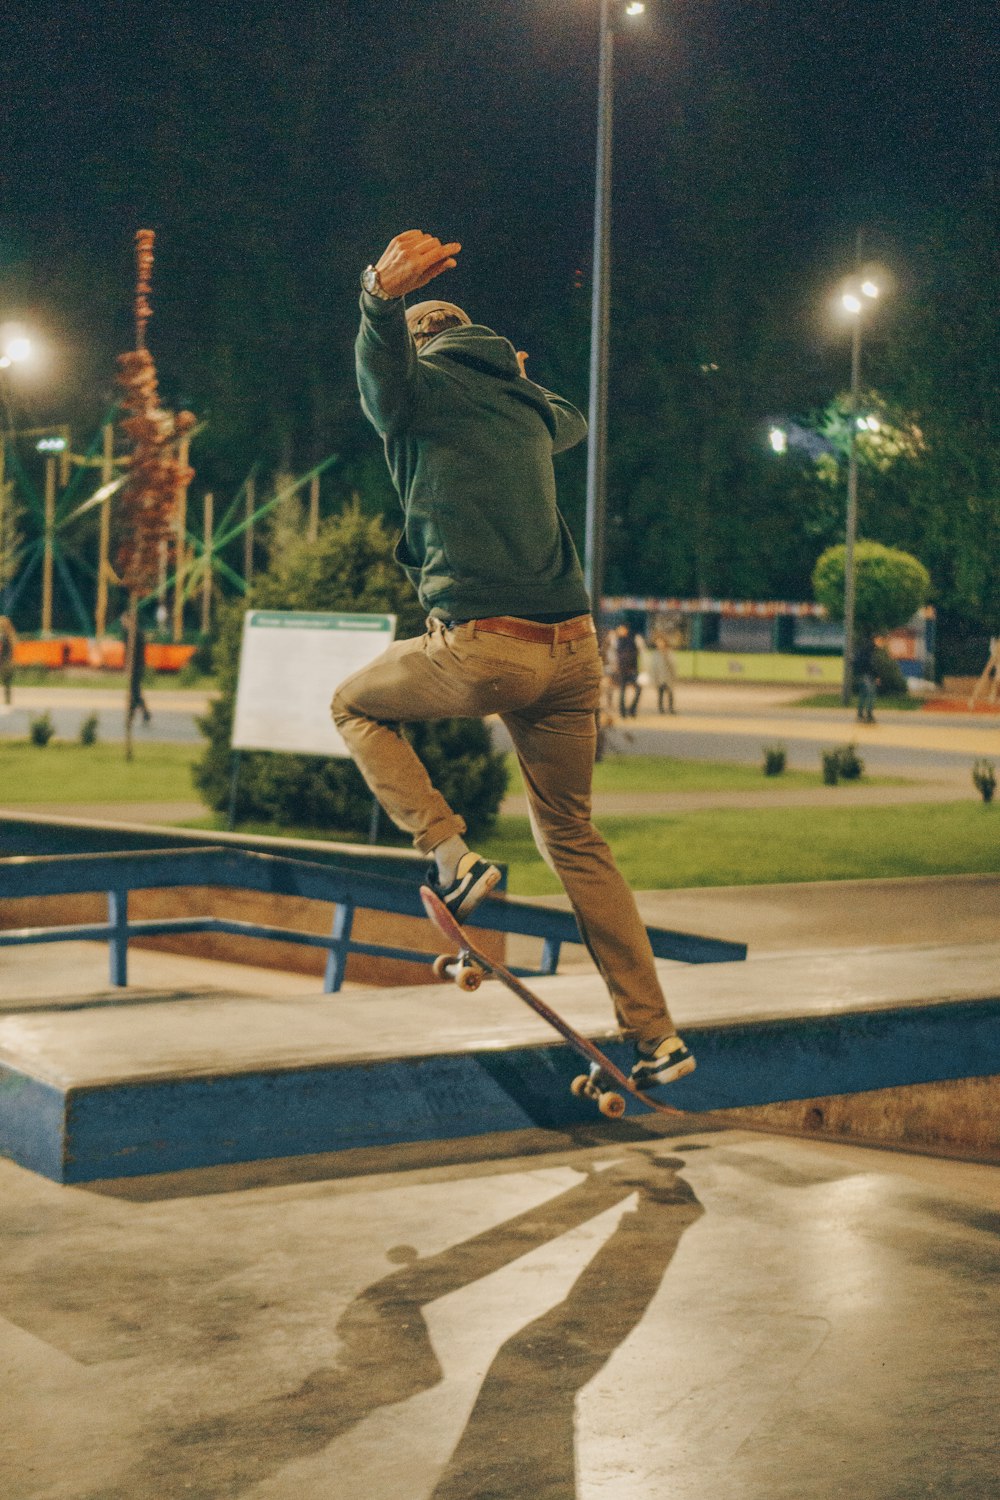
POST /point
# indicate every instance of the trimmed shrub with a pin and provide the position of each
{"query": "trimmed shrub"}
(88, 730)
(891, 681)
(890, 585)
(849, 763)
(984, 777)
(775, 759)
(831, 767)
(348, 568)
(841, 763)
(41, 729)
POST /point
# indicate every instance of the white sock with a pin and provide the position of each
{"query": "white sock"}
(448, 856)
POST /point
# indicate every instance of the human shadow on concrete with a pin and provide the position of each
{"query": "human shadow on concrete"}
(519, 1439)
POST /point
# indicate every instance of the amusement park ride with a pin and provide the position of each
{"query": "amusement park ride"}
(134, 474)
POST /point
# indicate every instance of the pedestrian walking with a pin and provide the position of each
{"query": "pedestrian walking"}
(469, 441)
(136, 668)
(866, 679)
(627, 671)
(661, 669)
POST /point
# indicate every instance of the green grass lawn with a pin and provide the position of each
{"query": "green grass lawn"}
(662, 773)
(833, 700)
(87, 677)
(64, 771)
(718, 847)
(757, 846)
(765, 846)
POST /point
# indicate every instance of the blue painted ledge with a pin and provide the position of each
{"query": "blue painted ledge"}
(134, 1128)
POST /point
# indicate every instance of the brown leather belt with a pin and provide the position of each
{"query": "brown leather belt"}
(533, 630)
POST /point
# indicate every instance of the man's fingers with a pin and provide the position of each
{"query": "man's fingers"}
(435, 270)
(434, 252)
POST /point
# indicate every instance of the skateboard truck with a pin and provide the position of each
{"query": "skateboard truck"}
(588, 1086)
(463, 970)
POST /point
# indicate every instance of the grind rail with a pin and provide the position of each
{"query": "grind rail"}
(117, 874)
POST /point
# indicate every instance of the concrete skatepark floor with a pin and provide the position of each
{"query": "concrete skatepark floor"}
(625, 1310)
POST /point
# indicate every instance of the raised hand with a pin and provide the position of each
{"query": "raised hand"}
(413, 259)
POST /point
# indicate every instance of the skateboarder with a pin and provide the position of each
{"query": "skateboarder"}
(469, 443)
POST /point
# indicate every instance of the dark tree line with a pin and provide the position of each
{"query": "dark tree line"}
(275, 165)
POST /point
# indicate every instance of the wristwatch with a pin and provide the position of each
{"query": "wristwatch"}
(372, 284)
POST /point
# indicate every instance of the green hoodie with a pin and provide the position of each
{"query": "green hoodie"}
(469, 444)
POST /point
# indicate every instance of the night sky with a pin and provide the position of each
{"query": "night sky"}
(322, 129)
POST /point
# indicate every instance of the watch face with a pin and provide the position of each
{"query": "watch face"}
(369, 279)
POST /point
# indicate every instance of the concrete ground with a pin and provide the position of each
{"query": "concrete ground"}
(625, 1310)
(597, 1316)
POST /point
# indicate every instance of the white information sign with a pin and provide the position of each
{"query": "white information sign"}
(290, 663)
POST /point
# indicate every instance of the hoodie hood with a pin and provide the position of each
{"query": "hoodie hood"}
(475, 348)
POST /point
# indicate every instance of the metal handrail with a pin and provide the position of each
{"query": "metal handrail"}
(117, 874)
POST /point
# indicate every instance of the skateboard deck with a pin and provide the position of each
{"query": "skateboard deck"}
(467, 968)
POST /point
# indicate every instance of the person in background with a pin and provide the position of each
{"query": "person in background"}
(609, 663)
(137, 667)
(866, 679)
(8, 646)
(627, 670)
(661, 669)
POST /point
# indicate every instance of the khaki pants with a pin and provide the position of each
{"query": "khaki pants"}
(547, 696)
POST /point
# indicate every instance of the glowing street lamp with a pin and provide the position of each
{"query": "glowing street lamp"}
(778, 438)
(15, 349)
(597, 438)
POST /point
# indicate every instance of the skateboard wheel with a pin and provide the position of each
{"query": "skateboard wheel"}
(468, 977)
(580, 1087)
(440, 965)
(612, 1105)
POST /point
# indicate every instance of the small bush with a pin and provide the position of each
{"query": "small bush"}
(984, 777)
(891, 678)
(850, 764)
(842, 763)
(775, 759)
(88, 730)
(41, 729)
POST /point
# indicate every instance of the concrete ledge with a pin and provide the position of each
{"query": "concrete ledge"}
(957, 1117)
(129, 1090)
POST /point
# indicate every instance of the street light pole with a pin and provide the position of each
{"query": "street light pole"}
(599, 324)
(847, 687)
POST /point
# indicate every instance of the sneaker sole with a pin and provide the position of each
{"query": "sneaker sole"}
(654, 1079)
(477, 893)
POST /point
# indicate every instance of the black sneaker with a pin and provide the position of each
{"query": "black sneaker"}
(474, 879)
(664, 1063)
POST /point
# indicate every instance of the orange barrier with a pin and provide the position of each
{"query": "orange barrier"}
(79, 651)
(959, 706)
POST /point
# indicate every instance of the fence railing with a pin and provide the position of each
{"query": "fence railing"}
(118, 875)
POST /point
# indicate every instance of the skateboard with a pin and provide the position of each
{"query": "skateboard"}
(469, 967)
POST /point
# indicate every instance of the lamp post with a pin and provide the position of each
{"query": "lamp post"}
(594, 528)
(853, 302)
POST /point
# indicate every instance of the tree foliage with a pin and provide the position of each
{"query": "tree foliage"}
(889, 586)
(349, 568)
